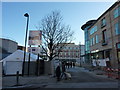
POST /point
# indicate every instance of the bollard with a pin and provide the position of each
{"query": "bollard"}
(17, 78)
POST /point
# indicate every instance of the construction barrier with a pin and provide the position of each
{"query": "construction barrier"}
(112, 73)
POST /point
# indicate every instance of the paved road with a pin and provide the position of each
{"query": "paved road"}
(81, 78)
(80, 75)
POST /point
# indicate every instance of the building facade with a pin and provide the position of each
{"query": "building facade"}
(7, 47)
(85, 27)
(104, 38)
(71, 53)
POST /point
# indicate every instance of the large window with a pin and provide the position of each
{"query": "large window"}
(117, 28)
(117, 12)
(92, 41)
(104, 34)
(103, 22)
(93, 30)
(118, 45)
(87, 46)
(96, 39)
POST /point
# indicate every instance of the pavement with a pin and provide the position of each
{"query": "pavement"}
(81, 78)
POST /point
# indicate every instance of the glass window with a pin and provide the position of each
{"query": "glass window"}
(117, 28)
(93, 30)
(96, 37)
(117, 12)
(104, 33)
(33, 49)
(93, 40)
(103, 22)
(118, 45)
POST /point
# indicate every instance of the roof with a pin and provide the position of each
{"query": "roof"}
(92, 22)
(18, 56)
(2, 39)
(89, 23)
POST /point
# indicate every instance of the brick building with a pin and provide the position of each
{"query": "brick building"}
(71, 52)
(102, 38)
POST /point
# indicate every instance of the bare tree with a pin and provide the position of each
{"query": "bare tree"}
(54, 34)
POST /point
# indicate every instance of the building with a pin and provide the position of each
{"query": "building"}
(21, 47)
(85, 27)
(71, 53)
(7, 47)
(102, 38)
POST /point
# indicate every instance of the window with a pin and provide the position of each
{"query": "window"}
(104, 34)
(116, 12)
(103, 22)
(33, 49)
(118, 45)
(117, 28)
(93, 40)
(96, 37)
(93, 30)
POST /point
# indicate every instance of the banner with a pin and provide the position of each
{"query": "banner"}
(35, 37)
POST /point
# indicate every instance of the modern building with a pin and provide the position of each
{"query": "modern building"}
(103, 36)
(85, 27)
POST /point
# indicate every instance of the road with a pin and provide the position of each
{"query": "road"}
(81, 78)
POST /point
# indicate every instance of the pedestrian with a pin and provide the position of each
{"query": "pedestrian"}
(58, 73)
(73, 64)
(68, 64)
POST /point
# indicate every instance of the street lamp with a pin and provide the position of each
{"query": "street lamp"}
(26, 15)
(80, 53)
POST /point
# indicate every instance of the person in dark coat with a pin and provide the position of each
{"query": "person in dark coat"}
(73, 64)
(58, 73)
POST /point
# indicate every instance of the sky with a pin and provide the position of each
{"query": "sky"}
(74, 14)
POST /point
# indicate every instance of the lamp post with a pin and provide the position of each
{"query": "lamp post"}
(26, 15)
(80, 53)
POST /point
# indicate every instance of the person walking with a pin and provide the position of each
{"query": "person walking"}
(58, 73)
(73, 64)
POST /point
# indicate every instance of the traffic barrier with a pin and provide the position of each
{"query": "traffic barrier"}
(112, 73)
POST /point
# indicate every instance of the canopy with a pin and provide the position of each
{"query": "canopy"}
(19, 56)
(14, 61)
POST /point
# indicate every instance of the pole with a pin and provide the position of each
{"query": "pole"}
(80, 54)
(17, 78)
(29, 61)
(23, 71)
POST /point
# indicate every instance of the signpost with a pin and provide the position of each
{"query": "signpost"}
(35, 38)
